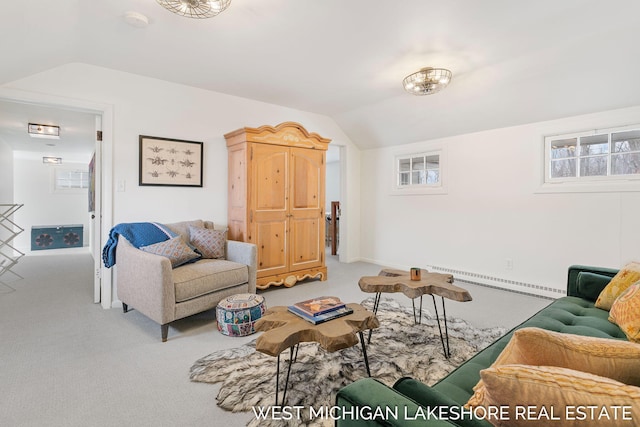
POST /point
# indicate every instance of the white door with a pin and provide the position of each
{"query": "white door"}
(95, 219)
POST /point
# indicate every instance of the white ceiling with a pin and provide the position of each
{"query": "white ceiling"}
(76, 141)
(513, 61)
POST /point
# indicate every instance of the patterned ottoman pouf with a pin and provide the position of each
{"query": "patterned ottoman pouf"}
(237, 314)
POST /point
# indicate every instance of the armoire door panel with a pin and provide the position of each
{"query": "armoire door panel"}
(271, 241)
(306, 208)
(305, 243)
(269, 179)
(307, 180)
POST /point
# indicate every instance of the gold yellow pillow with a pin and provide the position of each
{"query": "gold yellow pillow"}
(625, 312)
(626, 277)
(615, 359)
(555, 395)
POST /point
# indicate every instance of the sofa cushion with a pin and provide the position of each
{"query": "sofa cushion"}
(571, 315)
(175, 249)
(615, 359)
(560, 390)
(590, 285)
(626, 277)
(574, 315)
(572, 279)
(210, 243)
(206, 276)
(625, 312)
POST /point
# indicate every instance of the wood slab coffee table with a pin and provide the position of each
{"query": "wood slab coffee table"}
(283, 329)
(392, 280)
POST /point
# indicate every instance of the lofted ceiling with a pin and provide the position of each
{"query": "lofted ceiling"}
(513, 61)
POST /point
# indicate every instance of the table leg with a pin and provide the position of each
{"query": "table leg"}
(417, 319)
(286, 383)
(445, 349)
(446, 328)
(376, 304)
(277, 379)
(364, 351)
(295, 358)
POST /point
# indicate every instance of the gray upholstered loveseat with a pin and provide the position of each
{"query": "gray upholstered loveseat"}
(148, 283)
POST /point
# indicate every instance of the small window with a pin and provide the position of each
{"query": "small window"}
(606, 155)
(70, 180)
(625, 158)
(418, 170)
(563, 158)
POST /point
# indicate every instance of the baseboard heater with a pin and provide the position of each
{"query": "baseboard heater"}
(56, 236)
(500, 283)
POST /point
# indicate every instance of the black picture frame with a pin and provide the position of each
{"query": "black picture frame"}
(170, 162)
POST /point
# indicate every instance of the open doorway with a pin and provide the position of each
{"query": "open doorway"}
(333, 197)
(56, 194)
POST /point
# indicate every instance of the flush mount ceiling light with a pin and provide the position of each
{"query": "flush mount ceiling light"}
(44, 131)
(198, 9)
(52, 160)
(427, 81)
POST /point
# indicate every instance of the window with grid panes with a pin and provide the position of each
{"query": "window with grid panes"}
(68, 179)
(418, 170)
(613, 154)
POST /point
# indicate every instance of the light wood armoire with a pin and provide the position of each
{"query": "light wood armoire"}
(276, 200)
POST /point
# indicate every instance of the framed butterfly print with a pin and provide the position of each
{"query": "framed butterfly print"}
(172, 162)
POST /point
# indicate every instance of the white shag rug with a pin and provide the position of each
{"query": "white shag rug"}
(397, 349)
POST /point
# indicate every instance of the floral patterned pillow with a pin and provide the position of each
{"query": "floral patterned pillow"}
(626, 277)
(625, 312)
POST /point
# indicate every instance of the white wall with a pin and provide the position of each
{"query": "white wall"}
(6, 173)
(6, 181)
(148, 106)
(493, 211)
(333, 185)
(33, 187)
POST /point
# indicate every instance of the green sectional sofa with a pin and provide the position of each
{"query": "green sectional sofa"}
(368, 402)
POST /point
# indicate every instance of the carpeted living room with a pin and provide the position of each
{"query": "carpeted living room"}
(68, 362)
(298, 213)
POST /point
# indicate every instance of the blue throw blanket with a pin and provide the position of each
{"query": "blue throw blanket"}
(138, 233)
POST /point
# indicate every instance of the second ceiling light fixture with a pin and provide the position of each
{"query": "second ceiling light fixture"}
(427, 81)
(198, 9)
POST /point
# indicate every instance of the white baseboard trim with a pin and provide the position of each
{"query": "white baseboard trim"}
(483, 280)
(502, 283)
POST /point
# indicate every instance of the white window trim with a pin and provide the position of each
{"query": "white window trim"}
(423, 189)
(590, 184)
